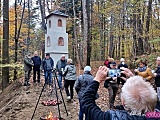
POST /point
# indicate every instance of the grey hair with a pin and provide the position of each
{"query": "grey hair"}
(69, 61)
(138, 96)
(63, 55)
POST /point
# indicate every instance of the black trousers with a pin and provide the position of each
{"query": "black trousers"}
(112, 90)
(36, 70)
(69, 83)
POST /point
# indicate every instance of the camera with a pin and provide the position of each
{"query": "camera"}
(114, 73)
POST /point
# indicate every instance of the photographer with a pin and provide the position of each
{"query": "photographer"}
(138, 97)
(111, 83)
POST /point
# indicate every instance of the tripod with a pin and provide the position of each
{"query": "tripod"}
(55, 79)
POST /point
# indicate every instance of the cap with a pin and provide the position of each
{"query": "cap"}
(47, 54)
(62, 55)
(87, 68)
(28, 53)
(122, 60)
(113, 63)
(158, 58)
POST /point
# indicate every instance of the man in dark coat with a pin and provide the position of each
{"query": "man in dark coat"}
(36, 68)
(28, 63)
(138, 98)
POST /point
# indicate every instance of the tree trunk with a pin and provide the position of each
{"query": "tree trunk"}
(111, 45)
(16, 40)
(140, 34)
(101, 30)
(122, 28)
(88, 8)
(134, 24)
(149, 15)
(85, 32)
(75, 52)
(5, 52)
(42, 8)
(17, 34)
(0, 41)
(29, 27)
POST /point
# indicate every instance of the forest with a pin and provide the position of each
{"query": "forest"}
(97, 29)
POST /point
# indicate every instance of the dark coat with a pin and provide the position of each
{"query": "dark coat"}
(93, 112)
(122, 65)
(37, 61)
(157, 78)
(82, 82)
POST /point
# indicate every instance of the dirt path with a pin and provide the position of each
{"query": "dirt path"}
(18, 102)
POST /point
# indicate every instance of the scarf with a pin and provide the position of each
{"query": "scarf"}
(142, 69)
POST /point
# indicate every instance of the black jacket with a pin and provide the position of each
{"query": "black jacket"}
(157, 78)
(122, 65)
(93, 112)
(37, 61)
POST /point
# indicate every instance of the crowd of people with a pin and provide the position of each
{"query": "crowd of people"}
(138, 96)
(65, 69)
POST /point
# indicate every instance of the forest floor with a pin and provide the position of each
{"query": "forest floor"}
(17, 102)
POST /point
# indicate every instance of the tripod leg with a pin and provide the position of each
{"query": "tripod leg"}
(62, 97)
(38, 99)
(57, 98)
(37, 102)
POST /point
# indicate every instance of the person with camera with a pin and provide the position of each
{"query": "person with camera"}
(111, 83)
(138, 97)
(47, 65)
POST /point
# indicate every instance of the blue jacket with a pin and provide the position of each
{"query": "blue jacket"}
(93, 112)
(58, 65)
(44, 64)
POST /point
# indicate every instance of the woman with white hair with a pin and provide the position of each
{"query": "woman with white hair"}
(70, 78)
(138, 97)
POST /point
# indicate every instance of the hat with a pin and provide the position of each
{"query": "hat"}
(113, 63)
(47, 54)
(63, 55)
(122, 59)
(28, 53)
(158, 58)
(87, 68)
